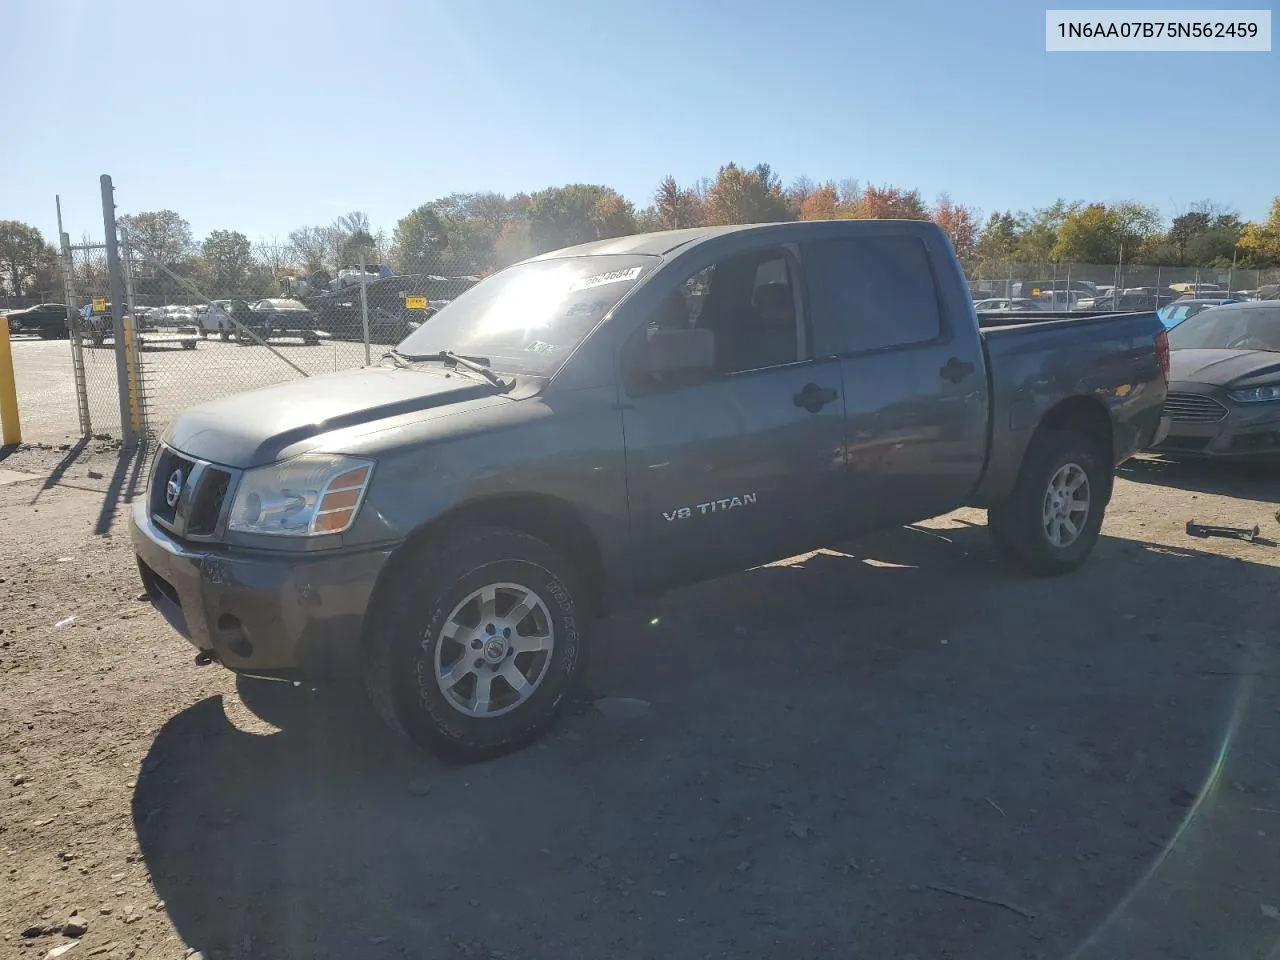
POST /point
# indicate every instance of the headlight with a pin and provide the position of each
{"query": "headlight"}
(1255, 394)
(303, 497)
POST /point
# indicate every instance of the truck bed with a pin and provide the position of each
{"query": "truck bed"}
(1035, 362)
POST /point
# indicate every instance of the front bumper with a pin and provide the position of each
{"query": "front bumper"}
(287, 615)
(1247, 431)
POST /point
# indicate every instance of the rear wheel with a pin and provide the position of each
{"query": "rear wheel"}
(482, 640)
(1052, 520)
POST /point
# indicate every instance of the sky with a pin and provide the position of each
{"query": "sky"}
(265, 116)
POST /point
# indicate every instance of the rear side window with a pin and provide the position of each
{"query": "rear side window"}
(877, 292)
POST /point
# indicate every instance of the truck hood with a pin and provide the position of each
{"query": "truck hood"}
(1223, 368)
(250, 429)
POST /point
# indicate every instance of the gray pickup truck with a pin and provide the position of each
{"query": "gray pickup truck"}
(610, 420)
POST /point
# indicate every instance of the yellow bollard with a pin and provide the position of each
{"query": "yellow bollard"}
(131, 365)
(10, 427)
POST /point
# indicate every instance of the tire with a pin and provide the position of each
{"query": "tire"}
(223, 335)
(1032, 533)
(426, 666)
(188, 344)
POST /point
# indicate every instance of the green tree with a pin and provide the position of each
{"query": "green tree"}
(1037, 232)
(1087, 235)
(1261, 241)
(160, 235)
(577, 213)
(1097, 233)
(420, 240)
(22, 252)
(745, 196)
(227, 260)
(998, 239)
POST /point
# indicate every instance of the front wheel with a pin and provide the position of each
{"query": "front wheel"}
(483, 639)
(1052, 520)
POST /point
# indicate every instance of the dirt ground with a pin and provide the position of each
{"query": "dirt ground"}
(833, 757)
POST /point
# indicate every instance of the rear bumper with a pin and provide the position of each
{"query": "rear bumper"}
(281, 615)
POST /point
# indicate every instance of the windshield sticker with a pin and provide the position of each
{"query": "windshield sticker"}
(600, 279)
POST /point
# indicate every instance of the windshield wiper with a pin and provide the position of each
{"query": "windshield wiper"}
(478, 365)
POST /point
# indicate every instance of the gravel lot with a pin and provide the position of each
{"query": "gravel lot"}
(831, 756)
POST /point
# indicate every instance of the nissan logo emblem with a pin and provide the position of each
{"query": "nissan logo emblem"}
(173, 489)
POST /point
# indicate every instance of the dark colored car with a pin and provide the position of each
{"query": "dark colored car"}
(1224, 389)
(1184, 308)
(49, 320)
(278, 317)
(611, 420)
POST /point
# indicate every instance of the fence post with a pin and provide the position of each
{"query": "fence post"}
(129, 438)
(73, 327)
(133, 340)
(364, 306)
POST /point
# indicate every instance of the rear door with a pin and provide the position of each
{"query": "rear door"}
(741, 462)
(912, 373)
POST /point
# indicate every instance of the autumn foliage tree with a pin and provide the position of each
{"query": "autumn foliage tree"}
(957, 222)
(821, 203)
(745, 196)
(676, 207)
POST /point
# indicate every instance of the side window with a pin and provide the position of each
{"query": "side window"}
(736, 315)
(879, 290)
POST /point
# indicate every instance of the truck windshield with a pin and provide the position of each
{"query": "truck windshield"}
(529, 318)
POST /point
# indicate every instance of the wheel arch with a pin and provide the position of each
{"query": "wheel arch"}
(1086, 415)
(548, 518)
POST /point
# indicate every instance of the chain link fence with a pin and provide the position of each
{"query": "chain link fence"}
(94, 390)
(1064, 285)
(233, 319)
(201, 338)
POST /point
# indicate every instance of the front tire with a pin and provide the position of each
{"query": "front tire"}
(483, 638)
(1052, 520)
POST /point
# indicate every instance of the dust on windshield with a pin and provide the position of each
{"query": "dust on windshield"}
(1229, 328)
(529, 318)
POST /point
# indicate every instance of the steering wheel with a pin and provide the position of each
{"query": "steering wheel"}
(1247, 342)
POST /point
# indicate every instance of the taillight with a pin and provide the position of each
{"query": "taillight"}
(1162, 353)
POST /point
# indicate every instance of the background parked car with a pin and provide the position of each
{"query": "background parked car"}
(49, 320)
(220, 317)
(280, 317)
(1224, 383)
(1184, 308)
(1007, 305)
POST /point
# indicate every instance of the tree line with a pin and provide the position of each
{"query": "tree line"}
(477, 233)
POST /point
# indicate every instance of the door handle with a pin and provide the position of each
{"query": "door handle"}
(955, 370)
(813, 397)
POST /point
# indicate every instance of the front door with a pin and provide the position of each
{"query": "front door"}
(742, 464)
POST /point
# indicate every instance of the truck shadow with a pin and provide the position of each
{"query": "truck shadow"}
(1256, 481)
(816, 743)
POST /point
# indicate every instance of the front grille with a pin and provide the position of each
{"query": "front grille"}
(168, 465)
(202, 491)
(1193, 408)
(206, 503)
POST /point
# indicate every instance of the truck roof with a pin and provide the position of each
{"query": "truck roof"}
(664, 241)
